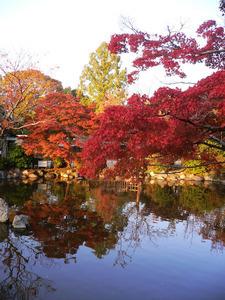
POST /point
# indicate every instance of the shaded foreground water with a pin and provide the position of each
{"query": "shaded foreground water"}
(91, 242)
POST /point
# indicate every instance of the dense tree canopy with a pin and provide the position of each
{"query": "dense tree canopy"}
(172, 124)
(62, 125)
(20, 92)
(102, 80)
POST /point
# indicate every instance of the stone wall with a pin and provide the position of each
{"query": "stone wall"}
(181, 176)
(35, 174)
(69, 174)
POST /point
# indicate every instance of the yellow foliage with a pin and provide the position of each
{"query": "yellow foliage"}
(102, 81)
(20, 91)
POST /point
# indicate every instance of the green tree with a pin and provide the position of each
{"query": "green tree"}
(103, 81)
(17, 158)
(69, 90)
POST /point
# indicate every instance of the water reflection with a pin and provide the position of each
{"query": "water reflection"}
(18, 255)
(65, 217)
(202, 210)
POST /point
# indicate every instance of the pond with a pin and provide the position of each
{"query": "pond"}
(92, 241)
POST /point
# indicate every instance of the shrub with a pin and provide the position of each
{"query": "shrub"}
(3, 163)
(18, 159)
(59, 162)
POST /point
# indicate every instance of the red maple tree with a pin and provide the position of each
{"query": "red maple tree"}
(172, 123)
(62, 124)
(173, 49)
(169, 125)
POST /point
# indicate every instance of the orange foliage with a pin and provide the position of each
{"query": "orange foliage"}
(62, 127)
(20, 92)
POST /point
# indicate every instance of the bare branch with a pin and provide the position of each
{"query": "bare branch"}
(213, 51)
(176, 82)
(128, 23)
(217, 140)
(212, 146)
(29, 125)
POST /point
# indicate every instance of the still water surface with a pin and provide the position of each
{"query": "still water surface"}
(89, 241)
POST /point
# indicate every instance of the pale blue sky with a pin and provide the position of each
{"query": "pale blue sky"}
(62, 33)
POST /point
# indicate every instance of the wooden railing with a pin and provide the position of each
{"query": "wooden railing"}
(119, 186)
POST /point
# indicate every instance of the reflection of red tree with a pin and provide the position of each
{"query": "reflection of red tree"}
(106, 204)
(62, 228)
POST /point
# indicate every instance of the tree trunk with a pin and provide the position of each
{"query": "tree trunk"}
(139, 189)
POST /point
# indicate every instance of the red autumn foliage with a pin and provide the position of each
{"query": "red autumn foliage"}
(62, 123)
(174, 49)
(60, 236)
(171, 125)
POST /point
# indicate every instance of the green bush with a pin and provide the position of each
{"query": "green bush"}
(3, 163)
(18, 159)
(59, 162)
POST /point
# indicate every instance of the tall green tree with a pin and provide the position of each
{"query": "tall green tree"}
(103, 81)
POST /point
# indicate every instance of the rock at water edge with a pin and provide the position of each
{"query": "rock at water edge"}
(4, 211)
(20, 222)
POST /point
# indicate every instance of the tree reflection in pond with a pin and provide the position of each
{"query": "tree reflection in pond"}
(15, 192)
(18, 255)
(66, 216)
(105, 220)
(202, 208)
